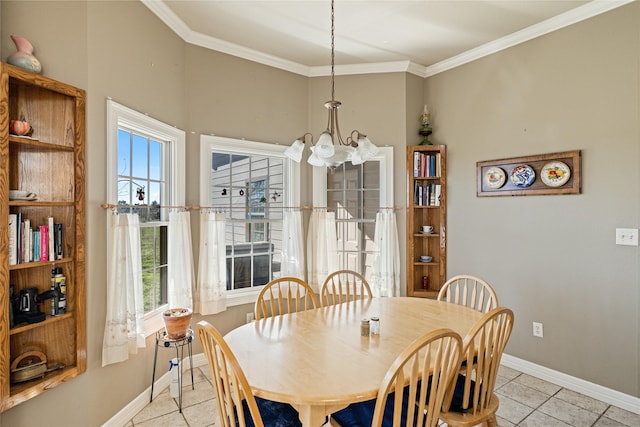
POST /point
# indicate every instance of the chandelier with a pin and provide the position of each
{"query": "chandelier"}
(331, 149)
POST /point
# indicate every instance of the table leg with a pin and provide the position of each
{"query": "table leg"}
(311, 416)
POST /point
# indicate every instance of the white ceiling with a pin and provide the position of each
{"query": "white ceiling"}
(422, 37)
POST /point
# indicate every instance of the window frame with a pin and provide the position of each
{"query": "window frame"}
(118, 115)
(291, 178)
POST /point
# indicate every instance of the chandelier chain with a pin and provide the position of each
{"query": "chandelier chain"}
(333, 97)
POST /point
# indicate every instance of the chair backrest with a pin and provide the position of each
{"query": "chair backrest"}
(284, 295)
(342, 286)
(483, 345)
(229, 382)
(470, 291)
(419, 379)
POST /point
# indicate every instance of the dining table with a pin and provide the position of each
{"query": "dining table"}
(319, 362)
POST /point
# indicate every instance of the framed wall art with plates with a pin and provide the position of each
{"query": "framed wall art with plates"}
(542, 174)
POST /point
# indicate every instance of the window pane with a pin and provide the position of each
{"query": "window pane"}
(155, 160)
(124, 152)
(139, 156)
(354, 193)
(138, 159)
(250, 189)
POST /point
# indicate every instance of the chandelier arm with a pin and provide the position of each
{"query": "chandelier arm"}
(337, 127)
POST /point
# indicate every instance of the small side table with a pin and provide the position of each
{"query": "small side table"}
(163, 341)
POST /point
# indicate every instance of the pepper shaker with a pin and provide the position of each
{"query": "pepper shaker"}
(364, 328)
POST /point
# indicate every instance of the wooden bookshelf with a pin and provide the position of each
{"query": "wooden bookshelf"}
(51, 165)
(426, 205)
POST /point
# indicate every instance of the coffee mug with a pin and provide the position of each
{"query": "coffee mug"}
(427, 228)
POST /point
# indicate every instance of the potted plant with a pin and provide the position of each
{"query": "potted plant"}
(176, 322)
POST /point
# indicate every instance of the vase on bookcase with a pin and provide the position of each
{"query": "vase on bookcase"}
(24, 57)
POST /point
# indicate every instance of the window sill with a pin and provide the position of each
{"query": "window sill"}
(242, 297)
(153, 324)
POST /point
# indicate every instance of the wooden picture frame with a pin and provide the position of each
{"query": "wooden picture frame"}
(494, 177)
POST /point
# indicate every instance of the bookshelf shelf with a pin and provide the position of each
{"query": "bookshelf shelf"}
(51, 165)
(426, 205)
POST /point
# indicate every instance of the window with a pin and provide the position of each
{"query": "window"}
(146, 171)
(356, 193)
(252, 185)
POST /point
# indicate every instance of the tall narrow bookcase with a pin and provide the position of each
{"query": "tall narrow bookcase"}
(49, 164)
(426, 205)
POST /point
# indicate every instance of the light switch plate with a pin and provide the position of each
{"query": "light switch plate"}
(627, 236)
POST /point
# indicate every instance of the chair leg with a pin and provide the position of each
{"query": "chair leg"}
(492, 422)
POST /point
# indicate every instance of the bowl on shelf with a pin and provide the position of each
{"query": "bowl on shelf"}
(426, 258)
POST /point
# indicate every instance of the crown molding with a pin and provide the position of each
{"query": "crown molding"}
(571, 17)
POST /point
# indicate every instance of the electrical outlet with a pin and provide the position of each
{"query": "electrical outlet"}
(627, 236)
(250, 317)
(537, 329)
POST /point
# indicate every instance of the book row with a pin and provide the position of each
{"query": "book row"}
(426, 194)
(30, 243)
(426, 165)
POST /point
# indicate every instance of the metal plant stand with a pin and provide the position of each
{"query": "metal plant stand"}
(179, 344)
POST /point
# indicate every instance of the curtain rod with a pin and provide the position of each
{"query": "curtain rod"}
(244, 208)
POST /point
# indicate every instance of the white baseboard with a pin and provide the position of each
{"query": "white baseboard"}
(604, 394)
(136, 405)
(612, 397)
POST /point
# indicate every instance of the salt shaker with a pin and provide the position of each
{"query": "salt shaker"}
(375, 325)
(364, 328)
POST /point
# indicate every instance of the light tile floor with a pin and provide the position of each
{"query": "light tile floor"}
(525, 401)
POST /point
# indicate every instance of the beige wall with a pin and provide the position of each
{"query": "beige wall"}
(553, 259)
(574, 89)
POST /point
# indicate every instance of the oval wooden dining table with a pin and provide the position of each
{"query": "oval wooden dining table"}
(317, 360)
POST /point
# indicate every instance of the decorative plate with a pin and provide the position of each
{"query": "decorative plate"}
(555, 174)
(494, 177)
(523, 176)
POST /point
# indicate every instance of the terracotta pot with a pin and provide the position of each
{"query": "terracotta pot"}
(176, 322)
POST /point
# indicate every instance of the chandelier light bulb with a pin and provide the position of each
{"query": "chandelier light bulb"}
(325, 147)
(295, 151)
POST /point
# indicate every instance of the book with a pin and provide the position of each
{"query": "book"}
(19, 238)
(43, 242)
(13, 239)
(35, 247)
(51, 248)
(27, 250)
(57, 238)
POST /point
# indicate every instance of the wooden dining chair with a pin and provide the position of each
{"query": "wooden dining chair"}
(237, 406)
(284, 295)
(414, 387)
(471, 399)
(469, 291)
(342, 286)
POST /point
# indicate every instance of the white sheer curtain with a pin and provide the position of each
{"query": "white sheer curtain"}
(322, 247)
(180, 274)
(211, 287)
(292, 244)
(124, 326)
(385, 278)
